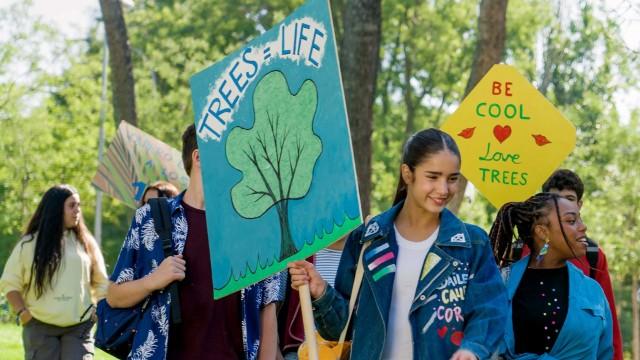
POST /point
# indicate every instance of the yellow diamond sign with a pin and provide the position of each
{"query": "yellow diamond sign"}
(510, 136)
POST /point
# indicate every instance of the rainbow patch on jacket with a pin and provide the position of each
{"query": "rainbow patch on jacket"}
(380, 261)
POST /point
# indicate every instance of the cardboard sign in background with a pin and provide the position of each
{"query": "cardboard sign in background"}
(277, 164)
(510, 136)
(135, 159)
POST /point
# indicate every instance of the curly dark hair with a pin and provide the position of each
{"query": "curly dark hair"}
(564, 179)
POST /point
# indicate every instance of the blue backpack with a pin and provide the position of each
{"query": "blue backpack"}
(117, 327)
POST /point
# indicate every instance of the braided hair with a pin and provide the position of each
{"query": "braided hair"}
(517, 220)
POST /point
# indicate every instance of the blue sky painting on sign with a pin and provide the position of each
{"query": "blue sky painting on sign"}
(277, 164)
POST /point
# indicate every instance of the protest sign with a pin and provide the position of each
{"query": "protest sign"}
(511, 137)
(134, 160)
(277, 165)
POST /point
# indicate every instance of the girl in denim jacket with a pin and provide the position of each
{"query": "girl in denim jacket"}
(431, 289)
(555, 311)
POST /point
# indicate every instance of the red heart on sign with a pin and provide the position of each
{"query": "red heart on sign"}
(442, 331)
(456, 338)
(502, 132)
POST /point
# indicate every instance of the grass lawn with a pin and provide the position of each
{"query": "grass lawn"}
(11, 344)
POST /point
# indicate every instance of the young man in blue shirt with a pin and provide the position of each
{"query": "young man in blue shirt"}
(240, 326)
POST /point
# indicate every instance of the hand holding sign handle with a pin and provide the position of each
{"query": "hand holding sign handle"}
(307, 320)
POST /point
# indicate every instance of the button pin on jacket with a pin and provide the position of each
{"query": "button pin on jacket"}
(372, 229)
(458, 238)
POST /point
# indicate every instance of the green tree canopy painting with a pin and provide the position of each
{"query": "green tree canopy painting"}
(277, 155)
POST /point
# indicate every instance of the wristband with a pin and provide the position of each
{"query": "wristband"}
(18, 315)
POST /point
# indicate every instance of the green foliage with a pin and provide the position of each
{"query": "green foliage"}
(277, 155)
(6, 315)
(425, 62)
(172, 40)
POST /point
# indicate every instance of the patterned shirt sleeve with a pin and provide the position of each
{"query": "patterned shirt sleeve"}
(125, 266)
(273, 288)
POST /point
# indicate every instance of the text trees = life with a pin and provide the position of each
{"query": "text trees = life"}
(277, 155)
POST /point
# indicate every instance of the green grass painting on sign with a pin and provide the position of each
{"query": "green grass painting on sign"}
(251, 274)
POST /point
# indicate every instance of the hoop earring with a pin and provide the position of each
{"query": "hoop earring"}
(543, 251)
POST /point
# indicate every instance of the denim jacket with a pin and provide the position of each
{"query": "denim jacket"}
(142, 253)
(460, 300)
(587, 332)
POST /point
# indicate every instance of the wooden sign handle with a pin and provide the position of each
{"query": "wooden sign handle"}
(307, 319)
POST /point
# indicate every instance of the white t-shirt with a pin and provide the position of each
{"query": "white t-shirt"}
(411, 254)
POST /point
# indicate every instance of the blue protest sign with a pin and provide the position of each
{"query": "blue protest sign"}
(277, 164)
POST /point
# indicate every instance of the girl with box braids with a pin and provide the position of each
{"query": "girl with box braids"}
(518, 219)
(546, 292)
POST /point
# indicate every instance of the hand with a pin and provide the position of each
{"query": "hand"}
(464, 355)
(303, 273)
(171, 269)
(25, 317)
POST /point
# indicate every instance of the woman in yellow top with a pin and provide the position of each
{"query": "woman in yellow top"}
(53, 277)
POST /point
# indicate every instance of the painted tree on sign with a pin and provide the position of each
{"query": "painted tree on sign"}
(277, 155)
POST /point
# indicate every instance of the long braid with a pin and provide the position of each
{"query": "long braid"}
(515, 220)
(502, 229)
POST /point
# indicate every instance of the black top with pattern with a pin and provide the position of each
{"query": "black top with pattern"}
(539, 309)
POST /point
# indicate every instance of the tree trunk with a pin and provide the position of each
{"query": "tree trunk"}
(489, 51)
(287, 246)
(408, 94)
(549, 64)
(122, 82)
(636, 318)
(359, 61)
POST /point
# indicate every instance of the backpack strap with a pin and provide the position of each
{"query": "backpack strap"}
(592, 257)
(162, 223)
